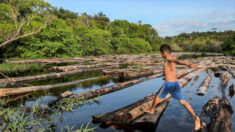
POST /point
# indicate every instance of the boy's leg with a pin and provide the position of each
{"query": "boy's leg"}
(154, 104)
(158, 97)
(178, 95)
(190, 110)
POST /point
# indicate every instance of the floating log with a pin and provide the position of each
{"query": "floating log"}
(231, 90)
(17, 91)
(202, 90)
(16, 80)
(124, 75)
(50, 61)
(78, 66)
(219, 112)
(128, 113)
(224, 76)
(98, 92)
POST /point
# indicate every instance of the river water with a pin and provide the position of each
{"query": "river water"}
(175, 117)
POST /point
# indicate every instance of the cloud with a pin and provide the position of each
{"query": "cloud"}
(211, 15)
(174, 27)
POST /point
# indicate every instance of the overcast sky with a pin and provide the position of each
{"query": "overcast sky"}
(168, 17)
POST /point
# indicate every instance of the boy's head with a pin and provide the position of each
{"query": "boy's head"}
(165, 50)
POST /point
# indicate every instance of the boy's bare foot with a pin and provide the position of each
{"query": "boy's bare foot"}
(197, 123)
(150, 111)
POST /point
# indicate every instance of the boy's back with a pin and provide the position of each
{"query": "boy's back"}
(169, 71)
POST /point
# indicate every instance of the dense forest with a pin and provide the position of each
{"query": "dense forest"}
(35, 29)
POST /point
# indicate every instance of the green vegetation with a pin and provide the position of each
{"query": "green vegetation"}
(39, 118)
(13, 70)
(204, 42)
(35, 29)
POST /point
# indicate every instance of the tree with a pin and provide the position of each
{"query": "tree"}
(22, 18)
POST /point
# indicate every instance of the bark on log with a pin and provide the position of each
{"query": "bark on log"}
(219, 111)
(224, 76)
(130, 112)
(202, 90)
(147, 122)
(48, 76)
(124, 75)
(17, 91)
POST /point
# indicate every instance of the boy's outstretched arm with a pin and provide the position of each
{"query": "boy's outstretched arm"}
(174, 59)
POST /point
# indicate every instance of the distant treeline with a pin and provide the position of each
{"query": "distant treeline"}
(70, 34)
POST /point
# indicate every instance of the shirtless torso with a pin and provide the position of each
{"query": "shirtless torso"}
(170, 71)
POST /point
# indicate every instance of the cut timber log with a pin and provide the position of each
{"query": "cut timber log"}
(102, 91)
(17, 91)
(98, 92)
(224, 76)
(219, 112)
(127, 114)
(51, 61)
(124, 75)
(202, 90)
(77, 67)
(147, 122)
(48, 76)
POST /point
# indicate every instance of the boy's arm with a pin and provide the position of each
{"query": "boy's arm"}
(174, 59)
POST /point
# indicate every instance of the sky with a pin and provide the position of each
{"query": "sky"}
(168, 17)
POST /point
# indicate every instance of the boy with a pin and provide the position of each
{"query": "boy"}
(171, 84)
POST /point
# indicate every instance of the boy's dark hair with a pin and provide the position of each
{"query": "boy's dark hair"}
(165, 47)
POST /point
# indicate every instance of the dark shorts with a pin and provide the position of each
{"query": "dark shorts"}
(170, 87)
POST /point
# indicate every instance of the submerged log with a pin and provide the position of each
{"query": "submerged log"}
(16, 80)
(219, 112)
(202, 90)
(128, 113)
(224, 76)
(17, 91)
(231, 90)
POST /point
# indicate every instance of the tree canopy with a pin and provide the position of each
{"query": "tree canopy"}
(35, 29)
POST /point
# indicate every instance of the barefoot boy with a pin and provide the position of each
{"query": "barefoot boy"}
(171, 84)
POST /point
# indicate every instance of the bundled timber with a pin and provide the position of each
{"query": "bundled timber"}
(127, 114)
(202, 90)
(13, 81)
(224, 76)
(231, 90)
(219, 122)
(17, 91)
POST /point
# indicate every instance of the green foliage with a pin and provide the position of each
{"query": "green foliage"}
(71, 34)
(204, 41)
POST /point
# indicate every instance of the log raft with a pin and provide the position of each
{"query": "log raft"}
(131, 114)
